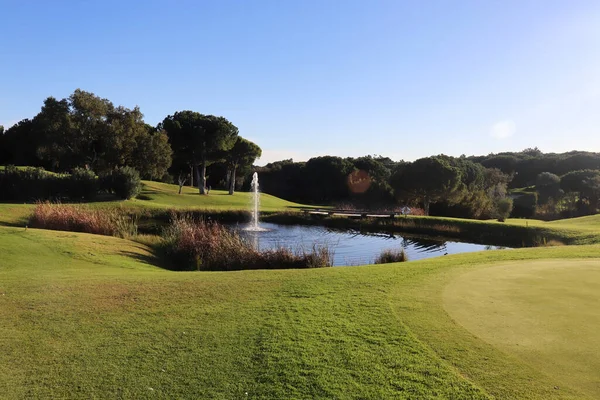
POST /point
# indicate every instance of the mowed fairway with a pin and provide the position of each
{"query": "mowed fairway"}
(84, 316)
(544, 312)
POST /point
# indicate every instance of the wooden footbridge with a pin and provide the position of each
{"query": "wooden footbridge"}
(352, 213)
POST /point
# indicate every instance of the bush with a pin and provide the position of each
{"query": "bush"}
(391, 256)
(167, 178)
(83, 184)
(198, 245)
(31, 184)
(504, 208)
(75, 218)
(524, 206)
(123, 181)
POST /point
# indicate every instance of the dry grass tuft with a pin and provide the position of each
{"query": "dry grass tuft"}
(391, 256)
(76, 218)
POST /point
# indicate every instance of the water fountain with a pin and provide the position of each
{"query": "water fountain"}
(255, 202)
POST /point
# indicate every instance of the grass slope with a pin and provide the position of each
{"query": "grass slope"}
(85, 316)
(163, 195)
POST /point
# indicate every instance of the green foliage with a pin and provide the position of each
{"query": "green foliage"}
(504, 208)
(30, 184)
(19, 144)
(285, 179)
(86, 130)
(369, 182)
(505, 163)
(326, 179)
(526, 165)
(427, 180)
(84, 184)
(586, 183)
(153, 156)
(579, 181)
(242, 154)
(123, 181)
(548, 187)
(524, 205)
(199, 139)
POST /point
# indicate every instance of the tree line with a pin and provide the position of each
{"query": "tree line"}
(187, 147)
(442, 184)
(540, 185)
(87, 131)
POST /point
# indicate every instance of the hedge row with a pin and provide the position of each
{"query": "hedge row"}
(33, 184)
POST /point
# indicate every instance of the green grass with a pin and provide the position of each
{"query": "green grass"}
(86, 317)
(162, 195)
(544, 312)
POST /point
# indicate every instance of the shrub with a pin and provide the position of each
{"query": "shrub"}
(76, 218)
(83, 184)
(504, 208)
(524, 205)
(167, 178)
(391, 256)
(198, 245)
(123, 181)
(31, 184)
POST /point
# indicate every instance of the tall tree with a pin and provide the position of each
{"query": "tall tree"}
(124, 132)
(243, 153)
(86, 130)
(3, 147)
(326, 179)
(427, 180)
(152, 157)
(20, 142)
(89, 114)
(369, 183)
(57, 135)
(200, 139)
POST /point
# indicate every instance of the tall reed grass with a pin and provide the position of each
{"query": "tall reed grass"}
(77, 218)
(195, 244)
(391, 256)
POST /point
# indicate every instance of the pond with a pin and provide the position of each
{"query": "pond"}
(352, 247)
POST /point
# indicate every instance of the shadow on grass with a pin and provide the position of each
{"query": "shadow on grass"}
(155, 258)
(19, 223)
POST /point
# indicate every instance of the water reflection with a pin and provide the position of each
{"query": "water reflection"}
(352, 247)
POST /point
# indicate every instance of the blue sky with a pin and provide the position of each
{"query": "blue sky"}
(403, 79)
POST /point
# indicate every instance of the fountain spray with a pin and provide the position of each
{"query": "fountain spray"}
(256, 201)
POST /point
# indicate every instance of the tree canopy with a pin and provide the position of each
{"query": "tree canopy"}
(85, 130)
(242, 154)
(199, 139)
(427, 180)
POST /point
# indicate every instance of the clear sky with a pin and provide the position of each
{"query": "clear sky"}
(403, 79)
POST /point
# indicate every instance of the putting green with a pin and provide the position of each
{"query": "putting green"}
(546, 313)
